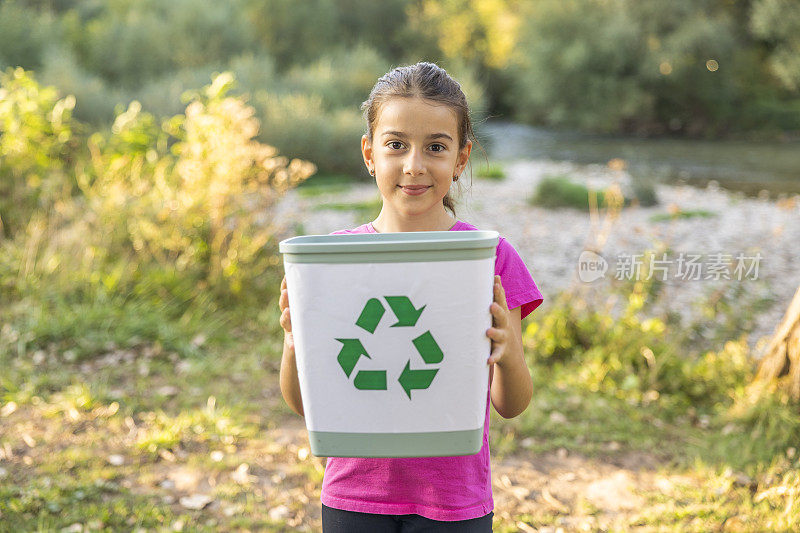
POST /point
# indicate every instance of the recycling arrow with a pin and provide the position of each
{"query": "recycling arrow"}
(416, 379)
(369, 319)
(428, 349)
(371, 315)
(404, 310)
(351, 352)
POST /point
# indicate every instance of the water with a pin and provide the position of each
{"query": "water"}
(747, 166)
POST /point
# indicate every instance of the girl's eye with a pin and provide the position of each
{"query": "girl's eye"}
(437, 147)
(395, 145)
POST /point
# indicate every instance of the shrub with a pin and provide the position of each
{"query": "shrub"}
(628, 354)
(492, 172)
(23, 35)
(644, 190)
(299, 125)
(37, 148)
(559, 191)
(200, 206)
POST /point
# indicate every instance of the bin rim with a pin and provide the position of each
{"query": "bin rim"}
(390, 242)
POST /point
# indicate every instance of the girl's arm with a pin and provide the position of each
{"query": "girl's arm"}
(290, 384)
(512, 387)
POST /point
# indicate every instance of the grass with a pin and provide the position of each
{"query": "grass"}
(325, 184)
(681, 214)
(492, 171)
(560, 191)
(366, 210)
(117, 439)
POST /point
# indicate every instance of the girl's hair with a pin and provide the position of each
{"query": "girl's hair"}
(423, 80)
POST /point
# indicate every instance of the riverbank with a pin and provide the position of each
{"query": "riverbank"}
(551, 240)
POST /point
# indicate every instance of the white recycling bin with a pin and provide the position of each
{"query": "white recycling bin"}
(390, 340)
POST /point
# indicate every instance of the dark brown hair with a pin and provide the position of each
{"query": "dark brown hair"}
(423, 80)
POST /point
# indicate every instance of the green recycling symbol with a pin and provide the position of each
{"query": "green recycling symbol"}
(407, 316)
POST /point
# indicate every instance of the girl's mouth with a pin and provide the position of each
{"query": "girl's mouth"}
(414, 190)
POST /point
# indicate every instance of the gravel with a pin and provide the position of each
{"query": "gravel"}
(551, 240)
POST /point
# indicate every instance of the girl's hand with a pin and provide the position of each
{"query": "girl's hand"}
(500, 332)
(286, 317)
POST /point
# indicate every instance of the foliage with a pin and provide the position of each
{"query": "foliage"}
(778, 23)
(23, 35)
(478, 32)
(298, 124)
(687, 67)
(298, 33)
(128, 42)
(560, 191)
(644, 190)
(492, 172)
(682, 214)
(630, 356)
(36, 148)
(636, 66)
(167, 224)
(199, 210)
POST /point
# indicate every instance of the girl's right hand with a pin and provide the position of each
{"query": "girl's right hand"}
(286, 317)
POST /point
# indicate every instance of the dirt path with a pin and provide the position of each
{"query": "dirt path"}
(566, 491)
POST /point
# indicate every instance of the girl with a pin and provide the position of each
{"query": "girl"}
(417, 144)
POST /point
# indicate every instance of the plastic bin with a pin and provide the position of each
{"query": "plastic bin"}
(390, 340)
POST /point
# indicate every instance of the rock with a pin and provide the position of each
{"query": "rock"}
(195, 501)
(281, 512)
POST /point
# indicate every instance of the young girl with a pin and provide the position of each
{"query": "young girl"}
(417, 144)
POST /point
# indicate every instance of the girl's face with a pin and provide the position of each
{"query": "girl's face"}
(415, 154)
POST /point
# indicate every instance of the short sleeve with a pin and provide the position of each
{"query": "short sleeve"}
(521, 290)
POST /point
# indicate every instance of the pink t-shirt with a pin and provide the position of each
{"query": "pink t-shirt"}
(439, 488)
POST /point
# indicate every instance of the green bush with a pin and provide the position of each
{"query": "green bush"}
(342, 79)
(631, 65)
(128, 43)
(23, 35)
(95, 99)
(37, 148)
(644, 190)
(628, 353)
(492, 172)
(560, 191)
(169, 225)
(299, 125)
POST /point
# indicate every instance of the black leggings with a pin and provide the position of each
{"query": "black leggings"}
(338, 521)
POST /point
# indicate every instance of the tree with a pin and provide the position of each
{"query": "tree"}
(780, 364)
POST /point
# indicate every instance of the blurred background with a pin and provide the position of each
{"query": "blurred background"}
(153, 154)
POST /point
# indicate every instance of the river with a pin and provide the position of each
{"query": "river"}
(747, 166)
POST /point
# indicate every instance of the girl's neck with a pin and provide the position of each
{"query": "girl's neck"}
(391, 223)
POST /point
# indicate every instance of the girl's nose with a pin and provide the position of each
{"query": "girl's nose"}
(413, 165)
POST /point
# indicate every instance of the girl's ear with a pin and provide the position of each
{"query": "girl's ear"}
(366, 151)
(463, 157)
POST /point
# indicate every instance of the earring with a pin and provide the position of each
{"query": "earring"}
(371, 171)
(455, 178)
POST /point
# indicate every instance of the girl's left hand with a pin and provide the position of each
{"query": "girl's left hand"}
(500, 332)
